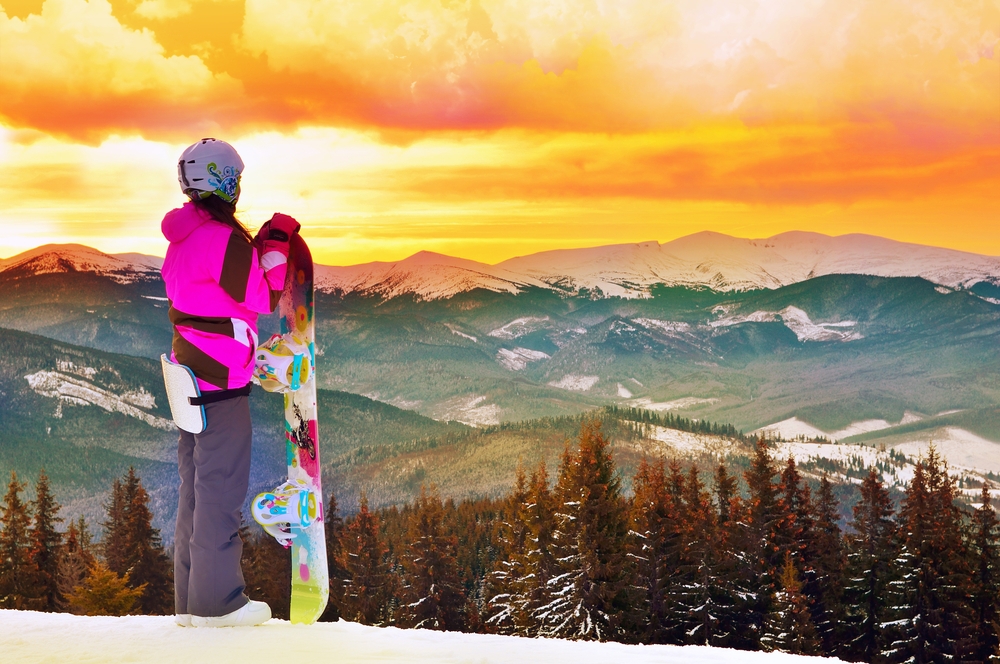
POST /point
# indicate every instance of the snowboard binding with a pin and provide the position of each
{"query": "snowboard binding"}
(283, 363)
(286, 511)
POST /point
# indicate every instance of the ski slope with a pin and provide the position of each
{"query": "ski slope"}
(27, 636)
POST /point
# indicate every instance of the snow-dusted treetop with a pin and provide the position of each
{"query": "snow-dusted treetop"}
(705, 259)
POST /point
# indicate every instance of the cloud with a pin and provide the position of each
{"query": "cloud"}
(624, 66)
(75, 70)
(546, 65)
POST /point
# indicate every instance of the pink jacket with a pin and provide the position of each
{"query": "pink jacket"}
(217, 285)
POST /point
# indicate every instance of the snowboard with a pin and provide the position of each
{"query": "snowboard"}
(310, 574)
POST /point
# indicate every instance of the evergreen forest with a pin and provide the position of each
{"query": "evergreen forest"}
(753, 558)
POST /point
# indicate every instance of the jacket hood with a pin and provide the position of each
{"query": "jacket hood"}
(179, 223)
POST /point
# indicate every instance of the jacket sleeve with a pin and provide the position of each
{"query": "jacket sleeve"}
(251, 279)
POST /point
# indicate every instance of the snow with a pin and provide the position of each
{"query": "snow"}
(61, 258)
(725, 263)
(685, 402)
(575, 383)
(707, 259)
(469, 410)
(462, 334)
(798, 322)
(518, 328)
(791, 428)
(518, 358)
(857, 428)
(57, 637)
(685, 441)
(397, 401)
(670, 327)
(79, 392)
(961, 448)
(623, 392)
(426, 274)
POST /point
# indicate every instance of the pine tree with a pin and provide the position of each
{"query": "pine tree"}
(114, 546)
(104, 593)
(370, 584)
(434, 596)
(794, 529)
(75, 561)
(506, 602)
(763, 556)
(133, 546)
(870, 552)
(16, 582)
(824, 584)
(731, 583)
(333, 529)
(44, 552)
(931, 620)
(727, 499)
(703, 601)
(656, 547)
(591, 593)
(986, 580)
(789, 627)
(533, 592)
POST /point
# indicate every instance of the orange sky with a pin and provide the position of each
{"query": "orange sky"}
(493, 128)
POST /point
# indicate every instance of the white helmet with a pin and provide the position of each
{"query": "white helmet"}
(208, 167)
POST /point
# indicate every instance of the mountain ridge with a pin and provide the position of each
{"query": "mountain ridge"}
(702, 260)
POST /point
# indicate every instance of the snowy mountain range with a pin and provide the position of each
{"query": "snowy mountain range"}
(703, 260)
(776, 335)
(60, 258)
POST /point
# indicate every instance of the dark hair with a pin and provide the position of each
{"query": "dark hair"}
(224, 213)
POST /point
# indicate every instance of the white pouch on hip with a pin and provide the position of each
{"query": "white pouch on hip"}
(181, 387)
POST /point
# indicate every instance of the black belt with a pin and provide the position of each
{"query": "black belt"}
(220, 395)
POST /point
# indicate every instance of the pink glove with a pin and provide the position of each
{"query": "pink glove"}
(282, 227)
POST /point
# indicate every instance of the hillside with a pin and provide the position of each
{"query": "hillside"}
(830, 350)
(50, 637)
(86, 415)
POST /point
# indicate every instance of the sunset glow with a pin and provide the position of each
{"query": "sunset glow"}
(493, 128)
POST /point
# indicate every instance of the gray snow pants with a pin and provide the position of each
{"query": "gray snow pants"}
(214, 467)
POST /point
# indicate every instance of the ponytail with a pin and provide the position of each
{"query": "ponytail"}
(224, 213)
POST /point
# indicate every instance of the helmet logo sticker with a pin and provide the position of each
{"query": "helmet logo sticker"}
(226, 182)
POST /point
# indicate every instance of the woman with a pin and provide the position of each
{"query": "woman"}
(218, 279)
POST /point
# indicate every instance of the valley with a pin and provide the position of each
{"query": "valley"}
(436, 370)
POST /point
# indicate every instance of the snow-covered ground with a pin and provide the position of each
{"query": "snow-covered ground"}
(961, 448)
(29, 637)
(575, 383)
(79, 392)
(469, 410)
(798, 322)
(518, 358)
(662, 406)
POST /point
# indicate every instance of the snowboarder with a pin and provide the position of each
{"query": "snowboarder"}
(218, 279)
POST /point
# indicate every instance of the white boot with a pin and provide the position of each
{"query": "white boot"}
(251, 613)
(183, 619)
